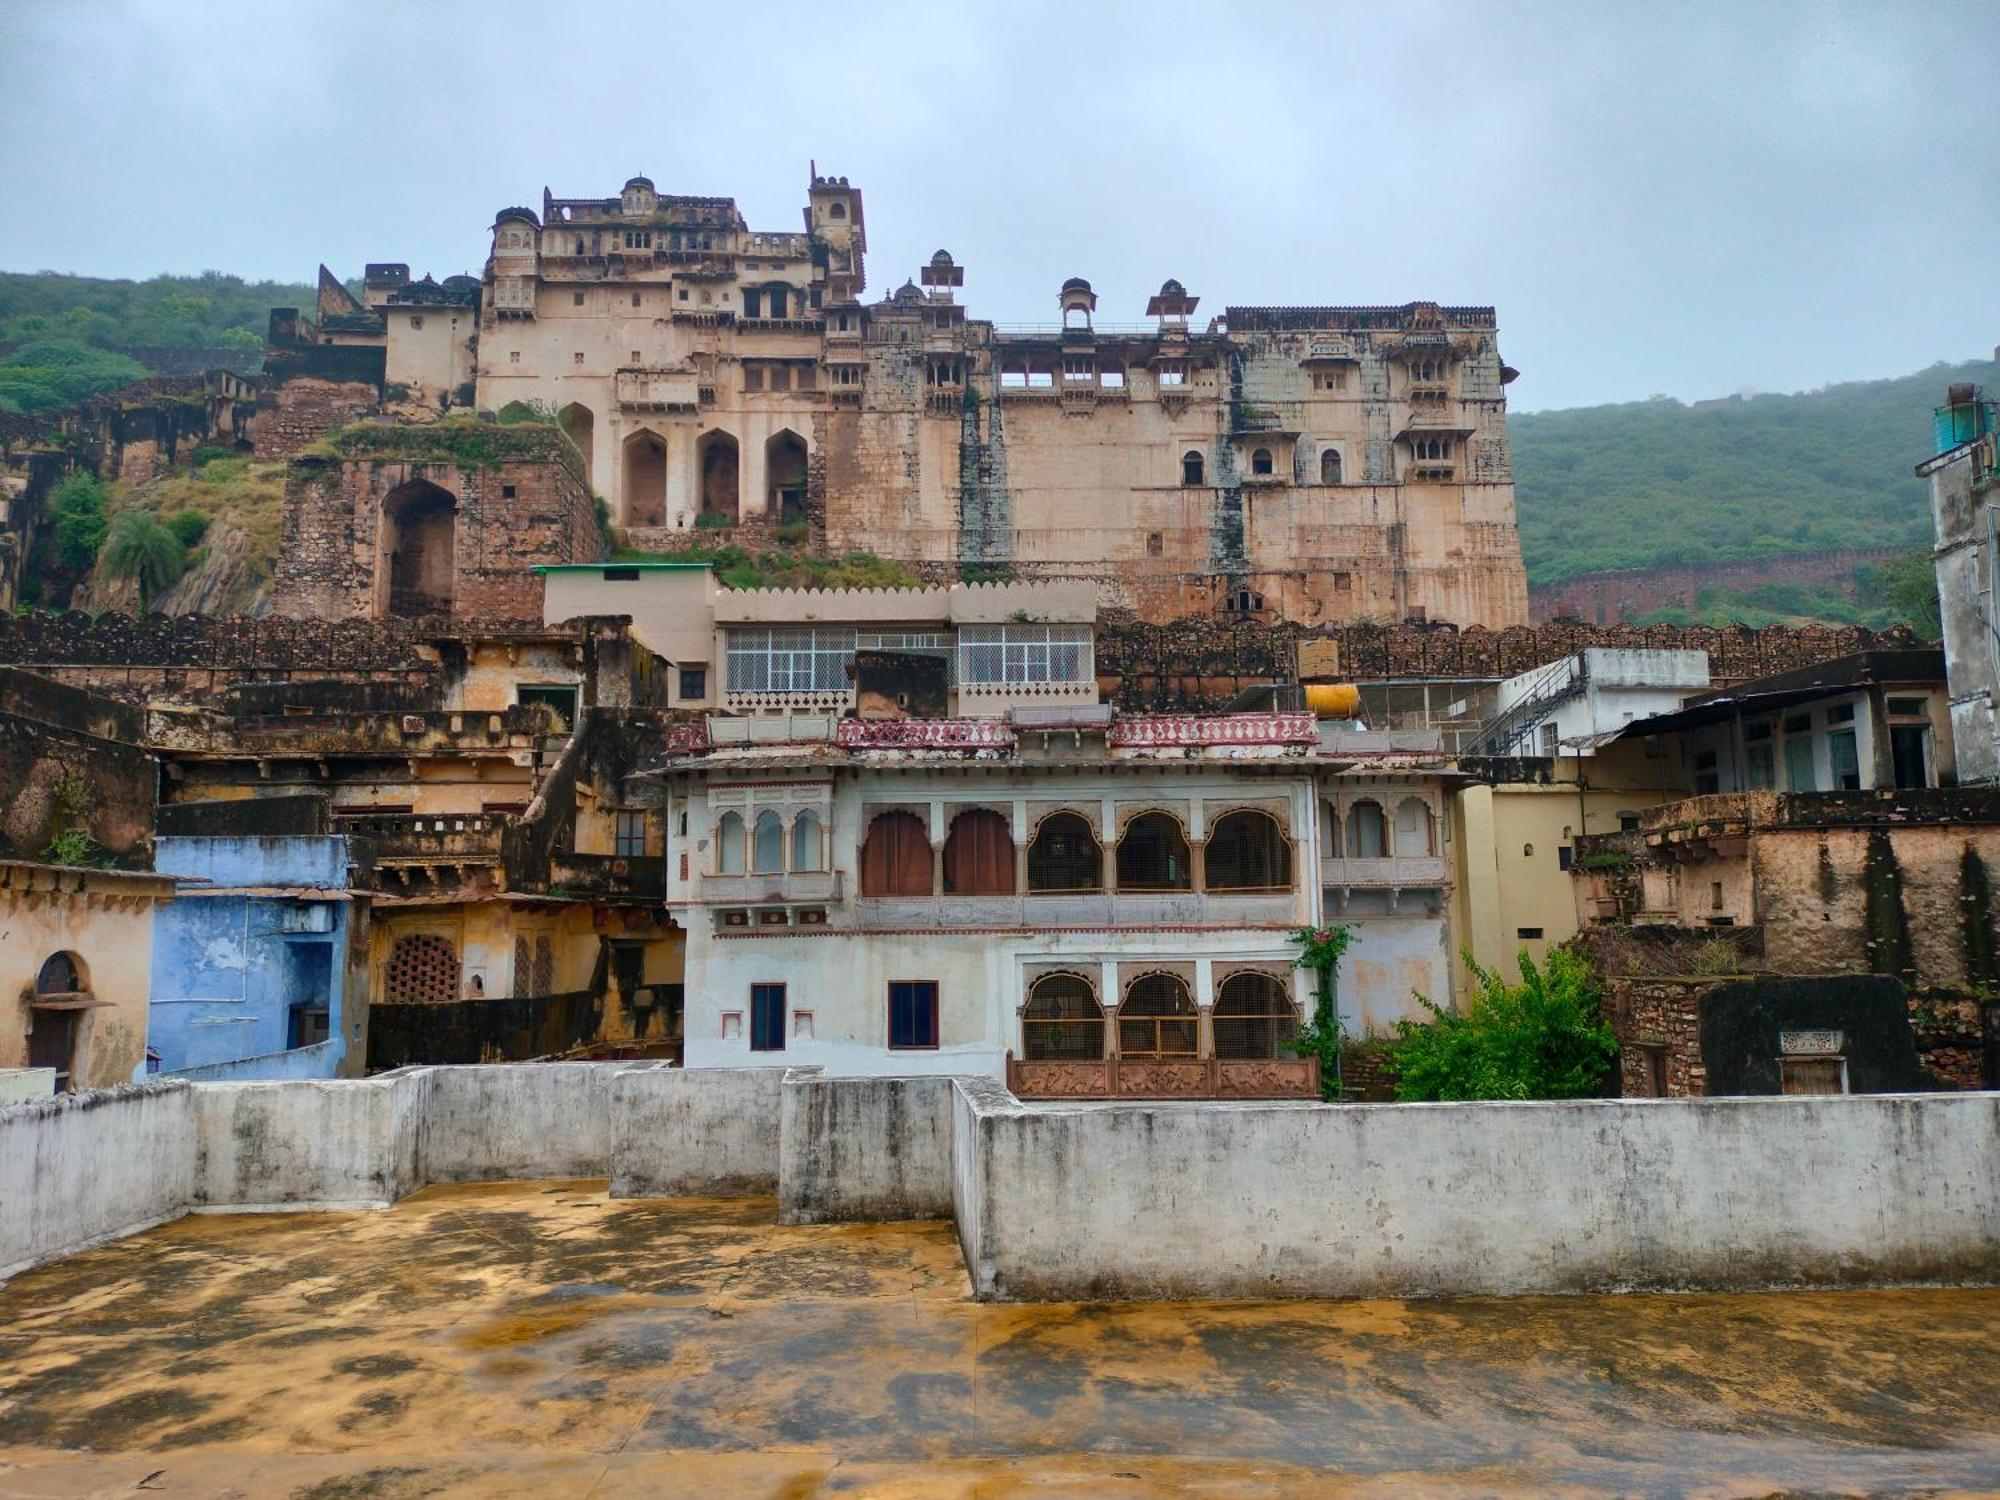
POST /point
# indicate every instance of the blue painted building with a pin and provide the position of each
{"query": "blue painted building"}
(251, 966)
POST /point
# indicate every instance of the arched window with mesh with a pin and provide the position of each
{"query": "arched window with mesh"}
(808, 848)
(896, 857)
(1413, 828)
(1158, 1019)
(1247, 851)
(1254, 1017)
(767, 849)
(1062, 1020)
(1329, 466)
(1192, 468)
(1366, 837)
(1153, 855)
(1065, 856)
(729, 844)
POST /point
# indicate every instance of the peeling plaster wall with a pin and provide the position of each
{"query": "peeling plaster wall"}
(703, 1131)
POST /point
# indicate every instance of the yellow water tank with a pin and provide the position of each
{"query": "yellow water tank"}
(1333, 700)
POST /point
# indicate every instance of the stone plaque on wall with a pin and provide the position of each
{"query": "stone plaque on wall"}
(1809, 1043)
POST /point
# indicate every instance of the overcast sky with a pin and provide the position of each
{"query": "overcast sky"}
(1692, 199)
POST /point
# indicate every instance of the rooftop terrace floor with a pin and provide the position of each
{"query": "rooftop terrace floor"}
(540, 1339)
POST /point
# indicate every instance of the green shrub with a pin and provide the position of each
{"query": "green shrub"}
(188, 527)
(791, 533)
(1544, 1038)
(713, 523)
(207, 454)
(140, 547)
(78, 507)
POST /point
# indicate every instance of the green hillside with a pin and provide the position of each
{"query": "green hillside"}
(66, 337)
(1651, 482)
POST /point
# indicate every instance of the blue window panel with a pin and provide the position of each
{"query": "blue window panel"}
(767, 1018)
(913, 1014)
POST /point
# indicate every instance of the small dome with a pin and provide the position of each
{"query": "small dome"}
(525, 214)
(942, 258)
(1076, 284)
(908, 292)
(460, 283)
(639, 182)
(1172, 288)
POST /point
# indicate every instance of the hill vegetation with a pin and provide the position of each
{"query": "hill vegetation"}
(1653, 482)
(63, 338)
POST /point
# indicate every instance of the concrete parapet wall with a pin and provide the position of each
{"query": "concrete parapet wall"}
(494, 1121)
(867, 1149)
(317, 1143)
(1238, 1201)
(80, 1168)
(695, 1131)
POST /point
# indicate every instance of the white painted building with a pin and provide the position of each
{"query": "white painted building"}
(1107, 895)
(1570, 706)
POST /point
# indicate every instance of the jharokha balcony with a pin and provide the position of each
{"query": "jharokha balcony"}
(1158, 1044)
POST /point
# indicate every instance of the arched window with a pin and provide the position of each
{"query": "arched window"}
(1254, 1017)
(1260, 461)
(979, 855)
(1366, 837)
(1329, 466)
(60, 974)
(808, 847)
(1192, 468)
(1065, 856)
(1153, 855)
(1247, 851)
(1413, 828)
(1062, 1020)
(1158, 1019)
(1329, 828)
(896, 857)
(837, 211)
(729, 844)
(767, 850)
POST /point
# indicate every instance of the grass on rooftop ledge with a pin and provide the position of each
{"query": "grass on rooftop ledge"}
(463, 440)
(738, 568)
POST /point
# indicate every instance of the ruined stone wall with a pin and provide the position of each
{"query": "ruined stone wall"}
(299, 412)
(1663, 1017)
(72, 761)
(1883, 900)
(509, 516)
(1606, 598)
(1200, 661)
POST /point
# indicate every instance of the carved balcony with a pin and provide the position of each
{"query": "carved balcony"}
(1165, 1078)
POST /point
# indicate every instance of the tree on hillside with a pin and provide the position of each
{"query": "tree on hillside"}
(138, 546)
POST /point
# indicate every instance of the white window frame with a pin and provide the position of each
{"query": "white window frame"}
(1009, 654)
(788, 659)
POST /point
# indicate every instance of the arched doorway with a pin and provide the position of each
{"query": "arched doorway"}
(420, 521)
(718, 461)
(580, 423)
(645, 487)
(61, 993)
(785, 477)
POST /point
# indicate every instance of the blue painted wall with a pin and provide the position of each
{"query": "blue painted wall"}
(229, 967)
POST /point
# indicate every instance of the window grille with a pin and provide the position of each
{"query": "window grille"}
(1254, 1017)
(789, 659)
(1158, 1019)
(1062, 1021)
(1025, 653)
(1153, 855)
(1064, 856)
(1247, 852)
(423, 969)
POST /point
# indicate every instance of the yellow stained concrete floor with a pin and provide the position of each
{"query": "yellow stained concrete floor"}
(540, 1339)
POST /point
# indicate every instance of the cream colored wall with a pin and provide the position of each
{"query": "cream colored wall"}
(1510, 872)
(106, 922)
(672, 609)
(435, 359)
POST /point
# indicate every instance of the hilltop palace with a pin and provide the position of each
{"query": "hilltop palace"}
(1308, 463)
